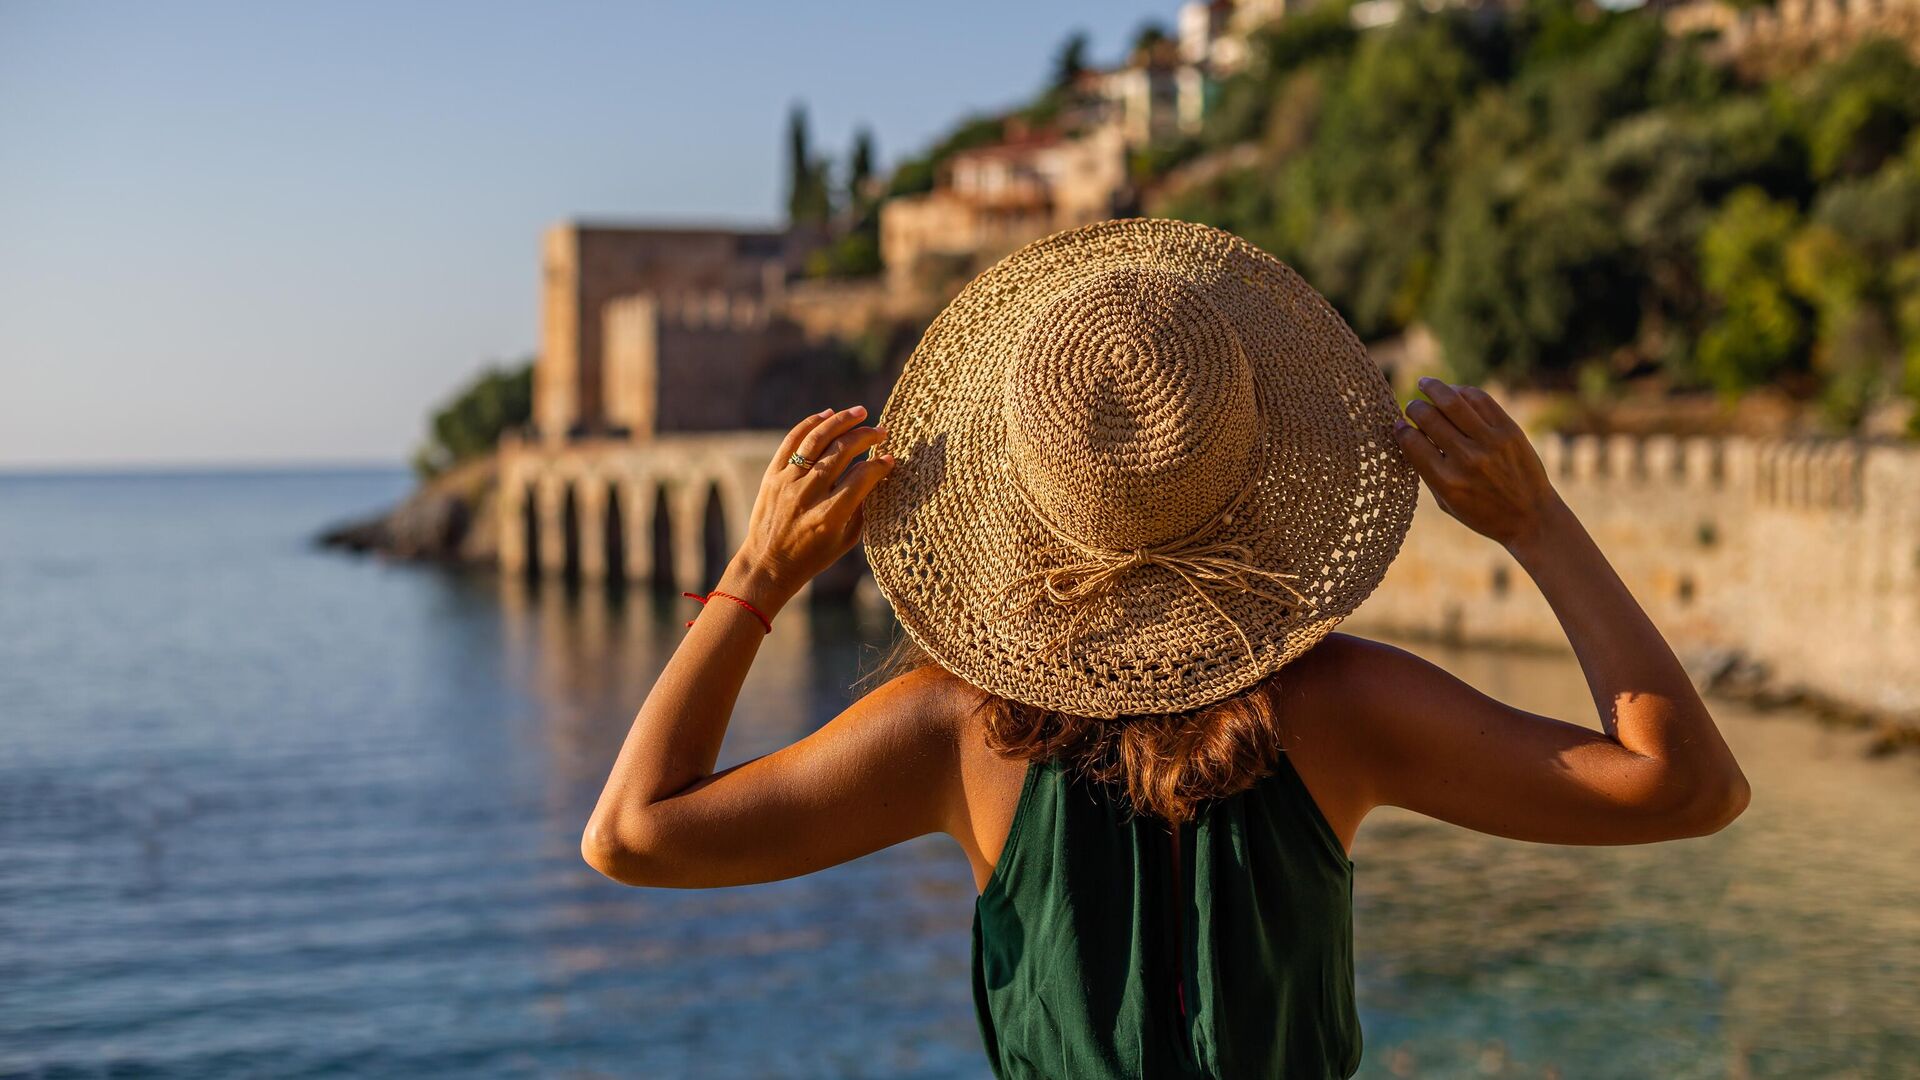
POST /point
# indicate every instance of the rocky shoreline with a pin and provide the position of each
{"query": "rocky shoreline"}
(448, 519)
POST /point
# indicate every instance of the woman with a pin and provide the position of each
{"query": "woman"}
(1136, 474)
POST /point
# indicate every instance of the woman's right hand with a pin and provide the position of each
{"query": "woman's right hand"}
(1477, 462)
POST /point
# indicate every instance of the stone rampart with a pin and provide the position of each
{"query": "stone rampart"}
(1799, 555)
(1802, 556)
(682, 361)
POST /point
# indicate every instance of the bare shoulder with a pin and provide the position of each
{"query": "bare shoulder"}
(1316, 691)
(1343, 656)
(940, 715)
(982, 786)
(1365, 698)
(1326, 701)
(925, 706)
(1339, 681)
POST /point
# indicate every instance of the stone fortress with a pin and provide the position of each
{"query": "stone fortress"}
(1796, 561)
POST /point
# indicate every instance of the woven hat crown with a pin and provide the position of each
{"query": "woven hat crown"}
(1140, 465)
(1130, 410)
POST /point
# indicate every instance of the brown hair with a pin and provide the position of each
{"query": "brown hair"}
(1167, 764)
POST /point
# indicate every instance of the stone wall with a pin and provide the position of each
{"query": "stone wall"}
(1802, 556)
(684, 361)
(585, 267)
(828, 309)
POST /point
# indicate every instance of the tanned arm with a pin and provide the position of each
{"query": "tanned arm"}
(880, 773)
(1419, 738)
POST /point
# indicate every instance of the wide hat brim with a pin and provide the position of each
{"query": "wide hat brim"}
(947, 530)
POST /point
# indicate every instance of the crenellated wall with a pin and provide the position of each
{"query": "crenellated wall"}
(1801, 555)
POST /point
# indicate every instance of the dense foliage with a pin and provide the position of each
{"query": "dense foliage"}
(1570, 194)
(471, 424)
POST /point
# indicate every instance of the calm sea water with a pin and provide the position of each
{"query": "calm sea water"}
(266, 811)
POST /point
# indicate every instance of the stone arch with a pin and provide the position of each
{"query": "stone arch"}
(571, 539)
(715, 545)
(529, 526)
(661, 538)
(613, 533)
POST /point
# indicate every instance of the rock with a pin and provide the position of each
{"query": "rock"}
(448, 519)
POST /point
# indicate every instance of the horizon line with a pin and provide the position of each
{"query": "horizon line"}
(56, 469)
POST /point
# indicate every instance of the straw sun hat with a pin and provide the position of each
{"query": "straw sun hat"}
(1140, 466)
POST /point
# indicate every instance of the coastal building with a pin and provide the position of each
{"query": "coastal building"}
(629, 311)
(1157, 95)
(991, 200)
(1792, 33)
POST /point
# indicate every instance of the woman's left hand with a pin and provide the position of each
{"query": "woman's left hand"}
(804, 520)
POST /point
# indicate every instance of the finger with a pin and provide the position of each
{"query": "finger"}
(1426, 458)
(856, 525)
(1435, 426)
(859, 482)
(1490, 411)
(841, 453)
(1465, 418)
(791, 441)
(814, 444)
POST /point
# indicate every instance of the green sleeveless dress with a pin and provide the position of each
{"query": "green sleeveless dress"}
(1107, 947)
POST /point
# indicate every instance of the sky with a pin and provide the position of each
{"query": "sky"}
(262, 234)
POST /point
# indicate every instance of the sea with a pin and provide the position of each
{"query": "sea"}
(268, 810)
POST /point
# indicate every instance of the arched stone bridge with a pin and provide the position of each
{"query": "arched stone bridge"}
(1801, 554)
(671, 509)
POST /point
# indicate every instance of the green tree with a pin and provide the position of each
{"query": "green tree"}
(1759, 331)
(855, 249)
(1315, 41)
(1855, 113)
(470, 426)
(1151, 35)
(1533, 273)
(1070, 61)
(1568, 194)
(859, 166)
(808, 199)
(1857, 264)
(1375, 189)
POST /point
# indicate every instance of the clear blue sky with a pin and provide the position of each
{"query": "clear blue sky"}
(266, 233)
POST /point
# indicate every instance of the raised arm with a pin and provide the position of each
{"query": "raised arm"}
(875, 775)
(1658, 770)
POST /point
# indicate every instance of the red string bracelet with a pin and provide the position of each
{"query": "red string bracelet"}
(764, 621)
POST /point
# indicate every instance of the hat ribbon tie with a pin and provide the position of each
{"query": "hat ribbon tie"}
(1206, 567)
